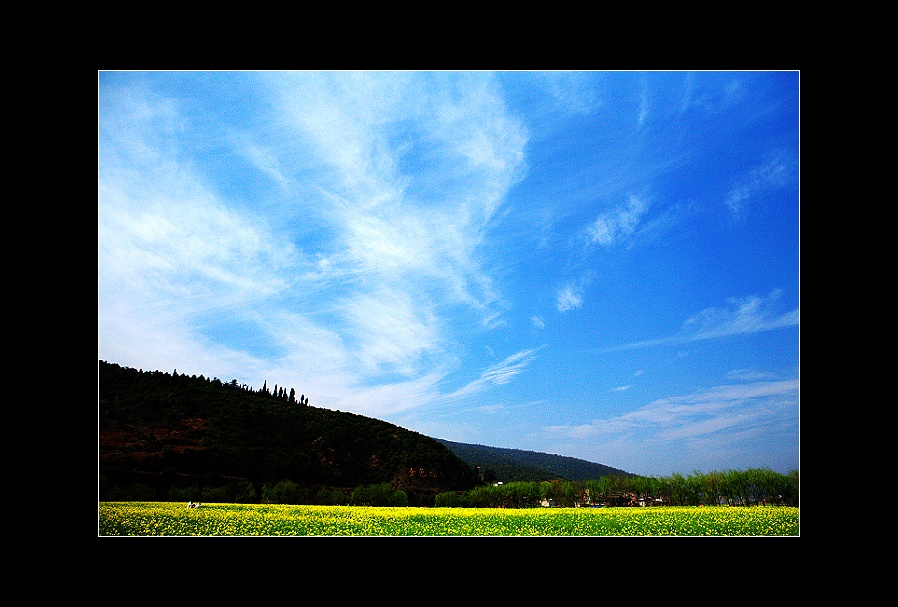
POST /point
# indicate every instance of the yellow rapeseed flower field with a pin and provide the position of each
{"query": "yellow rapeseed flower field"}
(174, 519)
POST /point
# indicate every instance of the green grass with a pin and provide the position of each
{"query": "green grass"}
(174, 519)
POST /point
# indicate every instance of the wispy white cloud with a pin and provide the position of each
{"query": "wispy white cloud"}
(264, 160)
(671, 411)
(643, 114)
(778, 172)
(569, 297)
(390, 331)
(171, 255)
(708, 419)
(711, 96)
(573, 92)
(498, 375)
(752, 314)
(503, 372)
(395, 221)
(612, 226)
(750, 375)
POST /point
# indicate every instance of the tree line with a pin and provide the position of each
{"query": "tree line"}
(752, 487)
(281, 492)
(280, 393)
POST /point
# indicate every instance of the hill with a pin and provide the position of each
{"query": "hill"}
(508, 465)
(168, 433)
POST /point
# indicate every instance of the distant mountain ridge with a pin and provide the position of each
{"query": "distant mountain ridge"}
(510, 465)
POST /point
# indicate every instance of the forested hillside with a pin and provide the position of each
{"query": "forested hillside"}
(512, 465)
(172, 436)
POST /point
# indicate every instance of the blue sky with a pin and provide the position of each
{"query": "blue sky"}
(603, 265)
